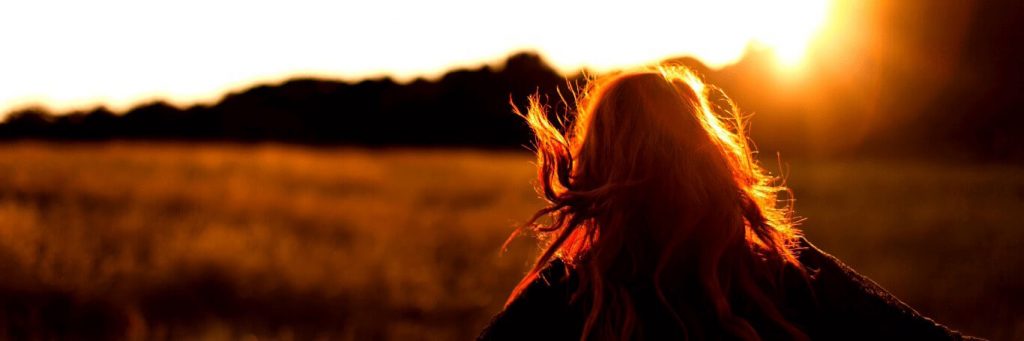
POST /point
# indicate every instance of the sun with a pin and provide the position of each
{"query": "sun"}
(788, 28)
(716, 32)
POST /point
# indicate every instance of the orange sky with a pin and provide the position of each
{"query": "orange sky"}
(78, 54)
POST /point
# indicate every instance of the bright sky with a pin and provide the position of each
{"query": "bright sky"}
(78, 54)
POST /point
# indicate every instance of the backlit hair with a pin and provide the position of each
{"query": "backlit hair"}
(651, 181)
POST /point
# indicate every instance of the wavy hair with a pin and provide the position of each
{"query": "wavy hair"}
(652, 186)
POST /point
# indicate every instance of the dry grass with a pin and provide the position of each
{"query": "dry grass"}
(155, 241)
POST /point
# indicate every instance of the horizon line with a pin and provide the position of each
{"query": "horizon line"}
(496, 64)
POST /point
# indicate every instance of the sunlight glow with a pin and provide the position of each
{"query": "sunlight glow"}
(78, 54)
(788, 27)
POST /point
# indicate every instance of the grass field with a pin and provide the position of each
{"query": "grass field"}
(177, 241)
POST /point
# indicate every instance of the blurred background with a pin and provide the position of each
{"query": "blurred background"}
(312, 170)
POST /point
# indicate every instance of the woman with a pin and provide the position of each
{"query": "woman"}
(663, 226)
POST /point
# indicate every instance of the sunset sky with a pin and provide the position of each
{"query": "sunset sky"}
(78, 54)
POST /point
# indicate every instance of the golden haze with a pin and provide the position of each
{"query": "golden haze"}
(120, 53)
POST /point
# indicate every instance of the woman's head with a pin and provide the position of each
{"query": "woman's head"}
(653, 183)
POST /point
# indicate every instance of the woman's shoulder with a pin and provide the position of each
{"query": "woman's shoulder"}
(851, 304)
(543, 310)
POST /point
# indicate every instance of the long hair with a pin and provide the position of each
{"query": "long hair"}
(653, 184)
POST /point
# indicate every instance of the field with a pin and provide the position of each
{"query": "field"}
(182, 241)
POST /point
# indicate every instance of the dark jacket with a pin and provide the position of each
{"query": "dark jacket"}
(836, 303)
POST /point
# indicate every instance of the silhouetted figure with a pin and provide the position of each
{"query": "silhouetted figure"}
(663, 226)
